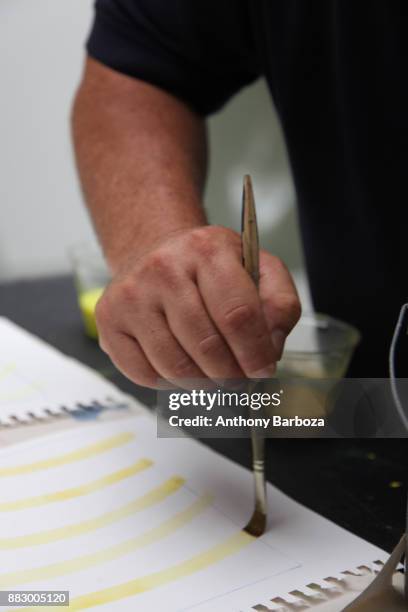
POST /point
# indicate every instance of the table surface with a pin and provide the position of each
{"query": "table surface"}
(359, 484)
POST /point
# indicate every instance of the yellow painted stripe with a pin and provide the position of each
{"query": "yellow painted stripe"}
(6, 370)
(47, 572)
(69, 531)
(90, 487)
(77, 455)
(21, 393)
(152, 581)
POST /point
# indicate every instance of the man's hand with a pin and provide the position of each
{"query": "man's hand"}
(187, 309)
(180, 304)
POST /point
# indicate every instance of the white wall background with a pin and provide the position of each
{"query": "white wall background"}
(40, 63)
(41, 211)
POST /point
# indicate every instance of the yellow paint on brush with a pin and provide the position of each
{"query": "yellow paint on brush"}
(87, 303)
(77, 455)
(64, 494)
(55, 570)
(69, 531)
(199, 562)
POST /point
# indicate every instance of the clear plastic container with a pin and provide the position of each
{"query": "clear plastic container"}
(316, 355)
(91, 276)
(318, 347)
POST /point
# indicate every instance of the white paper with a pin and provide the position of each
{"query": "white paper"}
(36, 379)
(298, 547)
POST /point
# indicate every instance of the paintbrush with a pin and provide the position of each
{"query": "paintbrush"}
(250, 260)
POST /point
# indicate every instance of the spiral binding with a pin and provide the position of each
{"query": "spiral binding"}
(316, 594)
(47, 413)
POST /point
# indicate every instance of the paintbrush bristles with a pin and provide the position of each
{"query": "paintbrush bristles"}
(257, 524)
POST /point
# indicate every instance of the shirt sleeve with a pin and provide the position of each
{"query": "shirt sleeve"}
(198, 50)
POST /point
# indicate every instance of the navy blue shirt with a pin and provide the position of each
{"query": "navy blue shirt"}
(337, 71)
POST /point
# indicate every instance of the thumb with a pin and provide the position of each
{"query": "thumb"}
(279, 299)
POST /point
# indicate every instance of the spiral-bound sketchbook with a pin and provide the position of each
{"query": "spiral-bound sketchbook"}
(38, 381)
(126, 521)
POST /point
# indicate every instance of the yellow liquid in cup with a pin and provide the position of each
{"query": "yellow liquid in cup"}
(87, 304)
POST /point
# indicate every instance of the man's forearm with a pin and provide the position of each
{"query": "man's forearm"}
(180, 304)
(141, 156)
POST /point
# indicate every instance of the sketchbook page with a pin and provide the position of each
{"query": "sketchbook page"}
(96, 512)
(128, 521)
(320, 547)
(36, 379)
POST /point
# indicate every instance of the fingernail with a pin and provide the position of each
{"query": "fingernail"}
(278, 341)
(267, 372)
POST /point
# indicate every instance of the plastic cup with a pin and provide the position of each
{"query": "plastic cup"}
(91, 275)
(318, 347)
